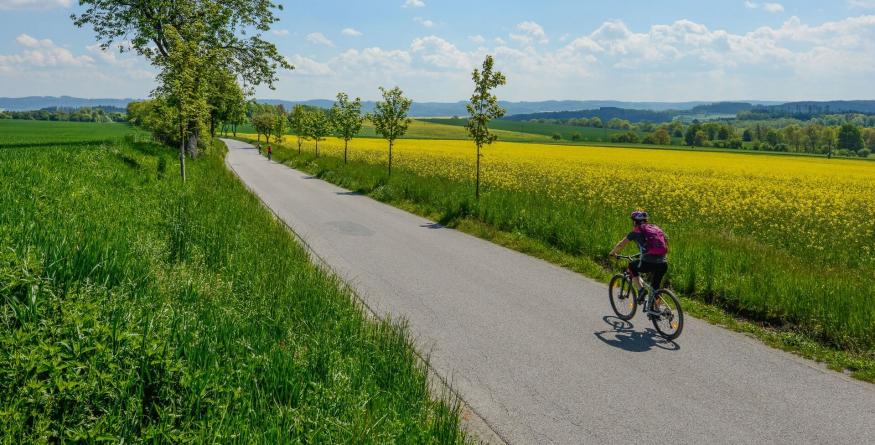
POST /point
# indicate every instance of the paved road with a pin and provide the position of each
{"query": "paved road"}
(530, 345)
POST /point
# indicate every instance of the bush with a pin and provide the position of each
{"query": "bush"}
(557, 136)
(575, 137)
(863, 152)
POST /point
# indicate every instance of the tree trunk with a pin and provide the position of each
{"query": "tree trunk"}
(390, 158)
(345, 146)
(477, 187)
(193, 135)
(182, 157)
(300, 142)
(317, 147)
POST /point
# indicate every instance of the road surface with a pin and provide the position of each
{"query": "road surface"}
(531, 347)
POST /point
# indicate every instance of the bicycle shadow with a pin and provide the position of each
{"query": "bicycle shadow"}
(623, 336)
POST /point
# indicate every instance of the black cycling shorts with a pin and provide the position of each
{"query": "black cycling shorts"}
(656, 270)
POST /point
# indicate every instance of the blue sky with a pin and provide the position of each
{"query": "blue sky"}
(670, 50)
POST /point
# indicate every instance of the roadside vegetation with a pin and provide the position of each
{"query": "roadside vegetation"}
(134, 308)
(772, 240)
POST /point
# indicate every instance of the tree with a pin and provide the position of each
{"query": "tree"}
(279, 126)
(747, 135)
(180, 85)
(390, 117)
(699, 139)
(219, 37)
(690, 135)
(575, 136)
(318, 126)
(661, 137)
(298, 121)
(264, 123)
(347, 119)
(850, 138)
(482, 108)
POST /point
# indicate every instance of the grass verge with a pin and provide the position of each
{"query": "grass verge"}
(137, 308)
(527, 224)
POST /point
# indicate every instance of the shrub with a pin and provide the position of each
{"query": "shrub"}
(863, 152)
(557, 136)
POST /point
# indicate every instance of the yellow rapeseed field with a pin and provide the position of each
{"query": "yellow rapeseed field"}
(806, 204)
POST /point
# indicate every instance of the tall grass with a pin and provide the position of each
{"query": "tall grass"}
(134, 308)
(735, 272)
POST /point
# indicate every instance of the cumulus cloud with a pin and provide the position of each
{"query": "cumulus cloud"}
(413, 4)
(34, 4)
(766, 6)
(309, 67)
(477, 40)
(424, 22)
(317, 38)
(42, 53)
(351, 32)
(679, 60)
(532, 32)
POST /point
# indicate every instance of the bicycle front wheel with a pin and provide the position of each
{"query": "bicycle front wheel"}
(623, 297)
(670, 320)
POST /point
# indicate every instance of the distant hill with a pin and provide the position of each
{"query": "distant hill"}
(833, 106)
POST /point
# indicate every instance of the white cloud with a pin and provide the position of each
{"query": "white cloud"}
(30, 42)
(309, 67)
(351, 32)
(765, 6)
(862, 4)
(424, 22)
(440, 53)
(317, 38)
(280, 32)
(413, 4)
(477, 40)
(43, 53)
(532, 32)
(34, 4)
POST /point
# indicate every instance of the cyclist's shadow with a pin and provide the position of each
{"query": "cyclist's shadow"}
(624, 336)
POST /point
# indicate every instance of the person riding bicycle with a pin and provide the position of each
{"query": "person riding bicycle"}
(652, 244)
(269, 152)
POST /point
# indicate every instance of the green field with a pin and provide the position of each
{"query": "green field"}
(587, 134)
(135, 308)
(25, 133)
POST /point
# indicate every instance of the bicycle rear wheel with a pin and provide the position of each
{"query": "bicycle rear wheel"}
(670, 321)
(623, 297)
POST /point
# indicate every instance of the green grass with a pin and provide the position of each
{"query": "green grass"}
(824, 313)
(27, 133)
(134, 308)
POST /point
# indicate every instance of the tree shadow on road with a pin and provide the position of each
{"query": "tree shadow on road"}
(624, 336)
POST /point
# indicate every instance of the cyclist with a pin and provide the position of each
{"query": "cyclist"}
(269, 152)
(652, 244)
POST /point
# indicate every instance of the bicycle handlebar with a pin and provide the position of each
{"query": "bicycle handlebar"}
(629, 257)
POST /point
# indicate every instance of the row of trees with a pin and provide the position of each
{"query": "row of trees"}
(390, 117)
(84, 114)
(204, 51)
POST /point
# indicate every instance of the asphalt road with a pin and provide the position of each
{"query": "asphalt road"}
(531, 347)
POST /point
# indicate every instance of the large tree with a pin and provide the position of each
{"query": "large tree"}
(347, 119)
(226, 33)
(482, 108)
(182, 90)
(390, 117)
(850, 138)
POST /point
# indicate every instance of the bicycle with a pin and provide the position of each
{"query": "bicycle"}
(667, 316)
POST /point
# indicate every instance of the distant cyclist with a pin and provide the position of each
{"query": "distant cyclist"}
(653, 246)
(269, 152)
